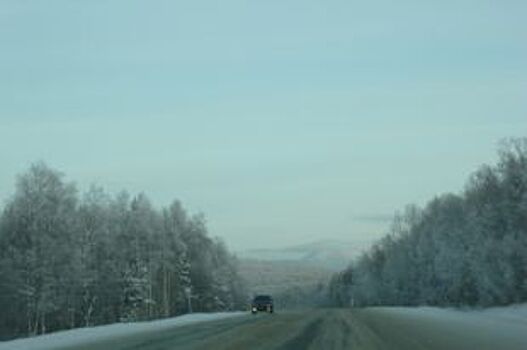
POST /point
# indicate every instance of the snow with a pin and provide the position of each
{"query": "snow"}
(496, 325)
(86, 335)
(514, 313)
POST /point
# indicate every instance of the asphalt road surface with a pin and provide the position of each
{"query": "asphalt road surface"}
(376, 328)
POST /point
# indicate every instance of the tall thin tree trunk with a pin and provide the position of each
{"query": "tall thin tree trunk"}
(29, 319)
(43, 323)
(165, 292)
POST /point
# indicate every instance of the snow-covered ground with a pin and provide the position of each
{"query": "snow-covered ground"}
(501, 328)
(514, 313)
(86, 335)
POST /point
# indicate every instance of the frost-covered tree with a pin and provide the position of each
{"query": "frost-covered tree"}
(467, 249)
(68, 262)
(38, 227)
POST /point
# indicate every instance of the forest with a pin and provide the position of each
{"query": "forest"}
(73, 260)
(466, 249)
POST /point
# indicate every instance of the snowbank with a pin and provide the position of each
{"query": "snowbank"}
(513, 313)
(86, 335)
(472, 327)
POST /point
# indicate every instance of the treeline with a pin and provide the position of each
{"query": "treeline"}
(68, 262)
(467, 249)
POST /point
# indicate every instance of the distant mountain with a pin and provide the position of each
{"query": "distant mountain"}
(328, 254)
(276, 277)
(296, 275)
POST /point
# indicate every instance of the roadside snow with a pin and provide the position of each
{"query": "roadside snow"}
(80, 336)
(513, 313)
(492, 328)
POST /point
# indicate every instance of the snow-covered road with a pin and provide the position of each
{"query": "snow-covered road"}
(383, 328)
(82, 336)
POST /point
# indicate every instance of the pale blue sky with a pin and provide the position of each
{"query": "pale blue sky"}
(283, 121)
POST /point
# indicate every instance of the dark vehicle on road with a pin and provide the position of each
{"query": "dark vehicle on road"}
(262, 303)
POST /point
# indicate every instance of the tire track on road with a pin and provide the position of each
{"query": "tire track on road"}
(305, 338)
(269, 332)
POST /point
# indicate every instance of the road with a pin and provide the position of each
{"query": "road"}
(368, 329)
